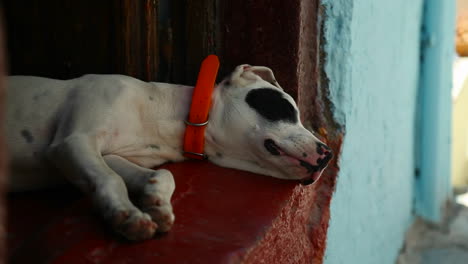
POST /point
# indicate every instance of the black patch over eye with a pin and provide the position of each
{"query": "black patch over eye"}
(271, 105)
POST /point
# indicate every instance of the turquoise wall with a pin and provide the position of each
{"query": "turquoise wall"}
(373, 65)
(433, 187)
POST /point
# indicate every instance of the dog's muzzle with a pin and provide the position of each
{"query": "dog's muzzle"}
(324, 152)
(316, 170)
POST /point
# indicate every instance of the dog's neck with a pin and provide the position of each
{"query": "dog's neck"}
(177, 98)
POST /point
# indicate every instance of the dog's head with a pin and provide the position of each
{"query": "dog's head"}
(255, 126)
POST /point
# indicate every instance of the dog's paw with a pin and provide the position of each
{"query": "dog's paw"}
(133, 224)
(160, 212)
(158, 206)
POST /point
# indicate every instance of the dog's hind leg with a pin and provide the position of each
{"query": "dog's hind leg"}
(78, 158)
(152, 189)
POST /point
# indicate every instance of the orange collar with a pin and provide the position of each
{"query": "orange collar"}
(194, 138)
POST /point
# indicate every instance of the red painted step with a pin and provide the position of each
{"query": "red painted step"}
(222, 216)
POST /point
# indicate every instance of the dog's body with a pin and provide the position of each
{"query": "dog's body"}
(105, 132)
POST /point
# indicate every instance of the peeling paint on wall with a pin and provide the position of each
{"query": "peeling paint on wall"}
(337, 46)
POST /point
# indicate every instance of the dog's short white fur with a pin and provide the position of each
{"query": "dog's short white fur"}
(105, 133)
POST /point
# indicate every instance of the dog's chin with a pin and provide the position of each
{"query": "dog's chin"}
(298, 174)
(313, 178)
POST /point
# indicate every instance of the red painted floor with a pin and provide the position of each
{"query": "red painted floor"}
(222, 216)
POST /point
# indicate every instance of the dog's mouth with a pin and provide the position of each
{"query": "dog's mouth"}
(271, 146)
(313, 170)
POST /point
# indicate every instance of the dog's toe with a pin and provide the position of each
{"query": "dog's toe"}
(162, 215)
(159, 210)
(158, 207)
(134, 225)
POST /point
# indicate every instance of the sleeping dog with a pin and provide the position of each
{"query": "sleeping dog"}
(106, 132)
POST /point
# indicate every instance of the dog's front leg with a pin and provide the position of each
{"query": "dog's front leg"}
(79, 159)
(152, 189)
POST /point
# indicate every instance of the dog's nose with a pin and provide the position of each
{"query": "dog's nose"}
(325, 153)
(323, 149)
(322, 162)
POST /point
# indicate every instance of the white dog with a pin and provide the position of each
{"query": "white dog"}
(106, 132)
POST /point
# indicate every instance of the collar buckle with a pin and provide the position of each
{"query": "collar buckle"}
(196, 124)
(201, 156)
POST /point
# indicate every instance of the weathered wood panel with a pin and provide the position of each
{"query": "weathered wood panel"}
(200, 35)
(194, 31)
(3, 154)
(136, 38)
(65, 38)
(59, 38)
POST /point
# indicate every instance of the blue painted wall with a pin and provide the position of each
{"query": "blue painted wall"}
(373, 66)
(432, 187)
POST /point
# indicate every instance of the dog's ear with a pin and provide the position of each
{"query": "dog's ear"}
(266, 74)
(245, 74)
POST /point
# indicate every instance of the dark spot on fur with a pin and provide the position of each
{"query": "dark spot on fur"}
(153, 146)
(271, 104)
(151, 98)
(40, 95)
(219, 155)
(214, 139)
(227, 83)
(27, 136)
(304, 155)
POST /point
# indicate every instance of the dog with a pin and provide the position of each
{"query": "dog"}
(105, 132)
